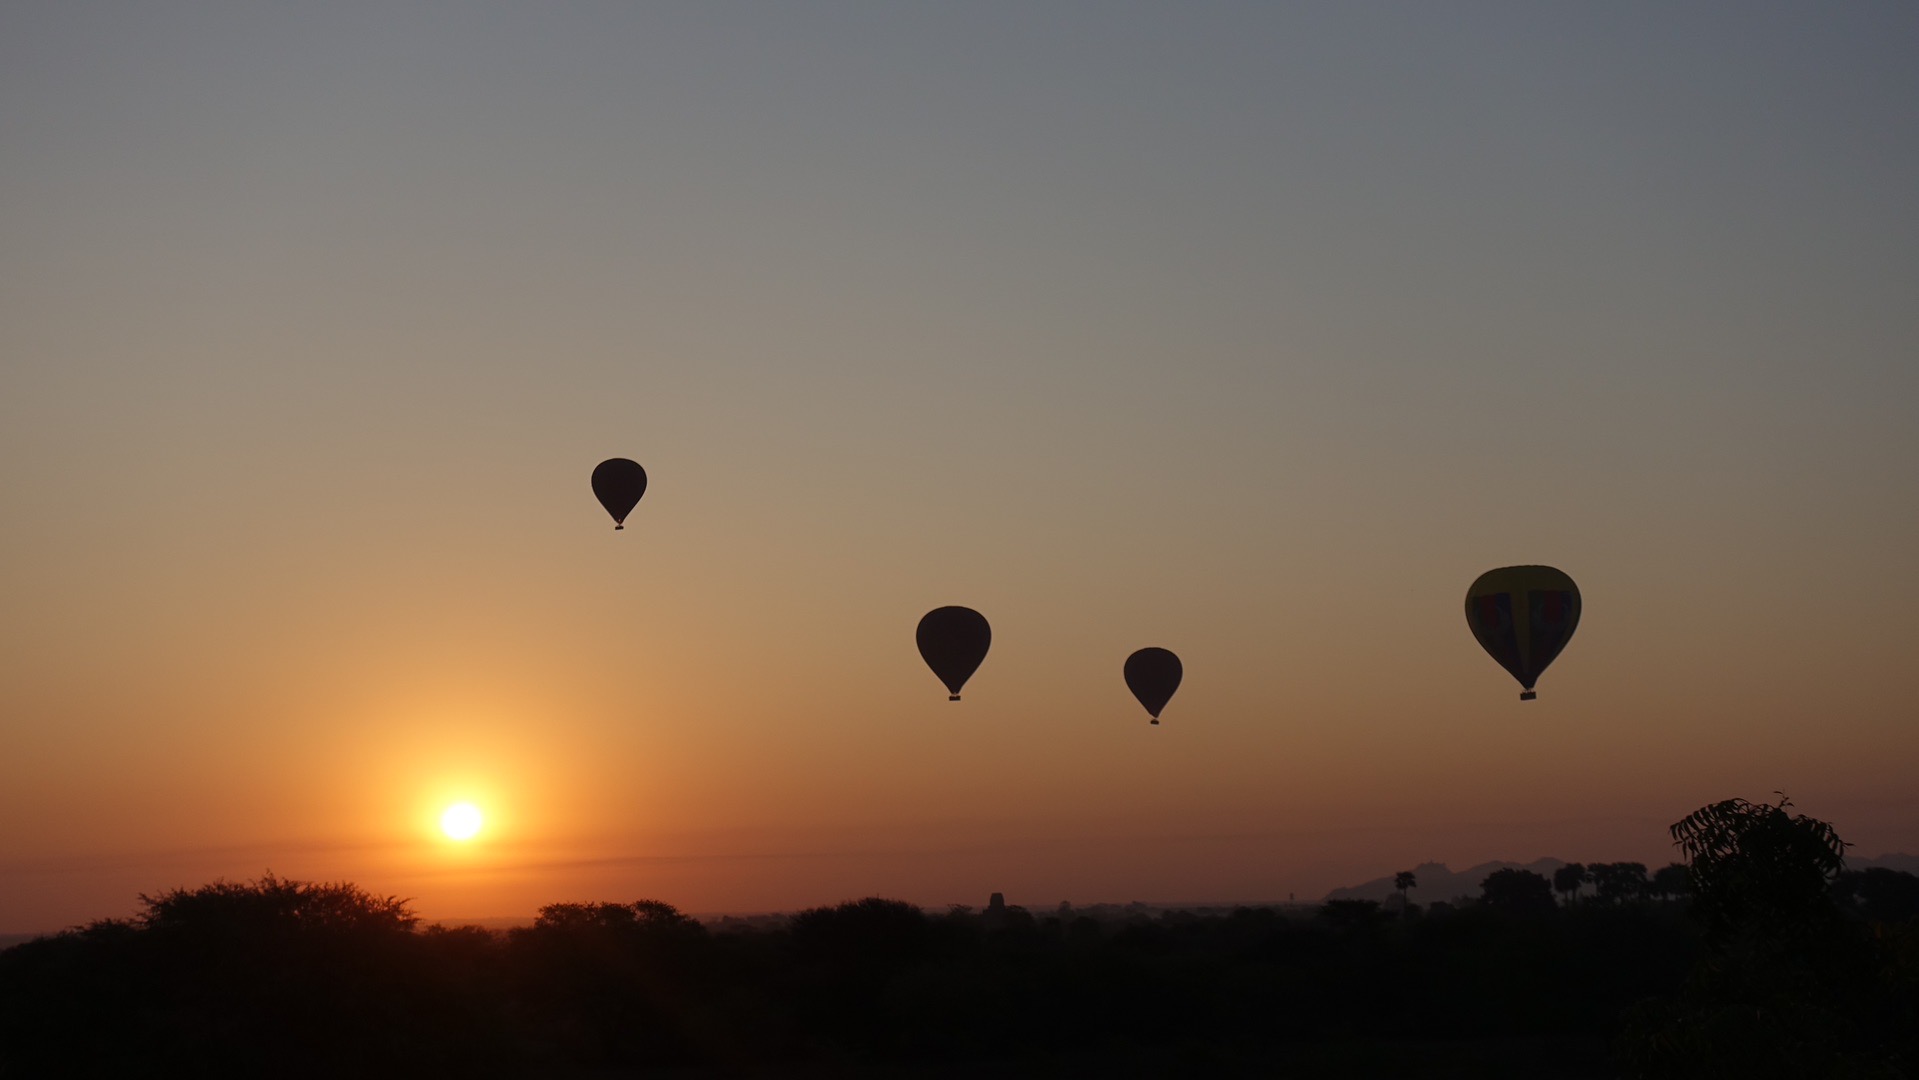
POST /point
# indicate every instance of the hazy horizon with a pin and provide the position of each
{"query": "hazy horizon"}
(530, 885)
(1255, 333)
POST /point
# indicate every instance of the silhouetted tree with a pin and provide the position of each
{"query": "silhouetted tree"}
(332, 982)
(1351, 915)
(1786, 986)
(325, 978)
(852, 956)
(1670, 881)
(1759, 872)
(1879, 894)
(875, 930)
(1402, 881)
(1516, 892)
(575, 917)
(1618, 883)
(652, 917)
(273, 904)
(1568, 878)
(610, 984)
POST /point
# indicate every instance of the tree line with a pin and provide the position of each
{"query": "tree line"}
(1773, 962)
(1613, 883)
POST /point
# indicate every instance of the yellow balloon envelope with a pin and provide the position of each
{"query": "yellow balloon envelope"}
(1523, 616)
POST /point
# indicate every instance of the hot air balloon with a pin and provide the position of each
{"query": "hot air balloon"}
(1523, 616)
(1152, 675)
(953, 641)
(618, 484)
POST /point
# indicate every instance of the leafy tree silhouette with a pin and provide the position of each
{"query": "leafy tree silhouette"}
(324, 977)
(273, 905)
(1568, 878)
(1760, 875)
(1517, 892)
(1351, 916)
(873, 933)
(1670, 881)
(612, 982)
(654, 918)
(1618, 883)
(328, 981)
(851, 957)
(1879, 894)
(1786, 986)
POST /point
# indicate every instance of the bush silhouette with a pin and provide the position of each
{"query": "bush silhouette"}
(214, 980)
(613, 985)
(1516, 892)
(1786, 985)
(1879, 895)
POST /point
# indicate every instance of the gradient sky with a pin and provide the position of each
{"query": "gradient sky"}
(1252, 331)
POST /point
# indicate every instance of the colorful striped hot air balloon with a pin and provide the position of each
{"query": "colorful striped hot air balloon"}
(1523, 616)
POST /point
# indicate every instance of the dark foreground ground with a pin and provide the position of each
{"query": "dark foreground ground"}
(289, 979)
(1499, 1059)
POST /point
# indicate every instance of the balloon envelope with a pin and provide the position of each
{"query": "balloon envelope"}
(1152, 675)
(618, 484)
(1523, 616)
(953, 642)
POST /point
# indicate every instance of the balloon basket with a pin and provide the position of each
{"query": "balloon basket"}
(1527, 695)
(955, 697)
(1155, 721)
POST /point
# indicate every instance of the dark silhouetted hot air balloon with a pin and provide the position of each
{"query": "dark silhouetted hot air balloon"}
(953, 641)
(1523, 616)
(618, 484)
(1152, 675)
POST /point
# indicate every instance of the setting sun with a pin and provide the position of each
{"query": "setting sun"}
(461, 821)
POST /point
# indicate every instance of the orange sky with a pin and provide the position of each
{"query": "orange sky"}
(1252, 334)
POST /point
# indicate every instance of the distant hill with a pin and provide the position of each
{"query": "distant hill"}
(1905, 863)
(1438, 882)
